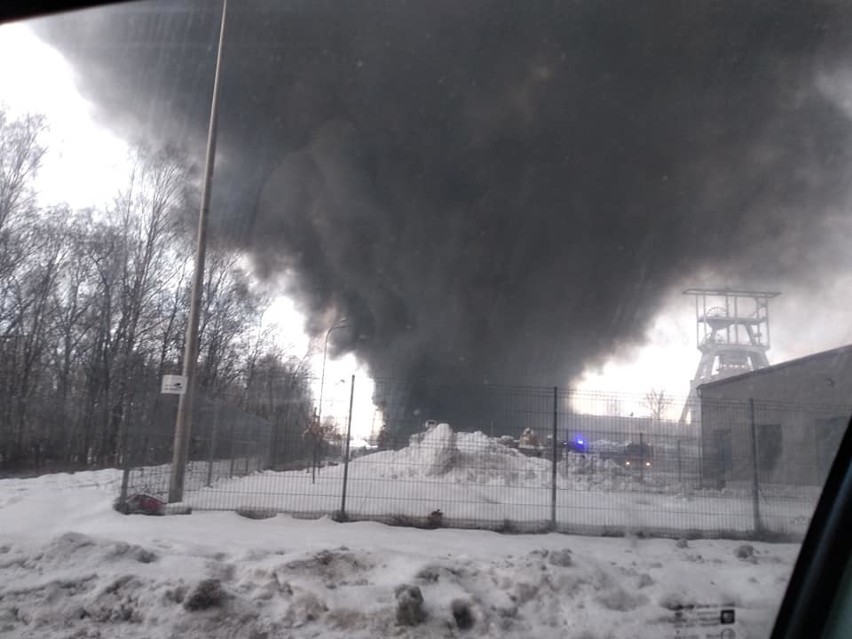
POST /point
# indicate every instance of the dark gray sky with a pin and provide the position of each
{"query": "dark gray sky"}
(501, 191)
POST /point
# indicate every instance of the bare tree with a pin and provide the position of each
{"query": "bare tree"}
(28, 333)
(71, 331)
(145, 216)
(93, 312)
(277, 388)
(230, 309)
(29, 264)
(657, 403)
(21, 152)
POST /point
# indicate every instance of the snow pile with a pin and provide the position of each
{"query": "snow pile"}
(440, 454)
(475, 458)
(484, 460)
(592, 472)
(428, 454)
(70, 566)
(436, 453)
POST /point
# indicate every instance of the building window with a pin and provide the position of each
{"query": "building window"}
(769, 445)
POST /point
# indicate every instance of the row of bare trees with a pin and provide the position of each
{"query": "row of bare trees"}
(93, 311)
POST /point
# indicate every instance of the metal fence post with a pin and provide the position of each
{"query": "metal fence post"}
(701, 457)
(641, 458)
(755, 489)
(346, 453)
(553, 465)
(679, 466)
(125, 455)
(272, 460)
(233, 452)
(263, 442)
(314, 458)
(212, 453)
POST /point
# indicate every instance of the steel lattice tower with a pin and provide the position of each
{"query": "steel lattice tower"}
(732, 333)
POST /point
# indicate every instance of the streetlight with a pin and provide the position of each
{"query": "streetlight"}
(341, 323)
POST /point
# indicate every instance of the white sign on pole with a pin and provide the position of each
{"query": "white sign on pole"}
(174, 384)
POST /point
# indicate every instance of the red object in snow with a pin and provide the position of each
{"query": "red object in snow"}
(145, 504)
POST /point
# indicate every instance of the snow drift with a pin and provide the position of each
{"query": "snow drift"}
(70, 566)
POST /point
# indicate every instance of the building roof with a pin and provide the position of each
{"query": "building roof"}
(791, 363)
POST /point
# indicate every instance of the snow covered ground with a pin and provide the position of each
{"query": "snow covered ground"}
(70, 566)
(476, 481)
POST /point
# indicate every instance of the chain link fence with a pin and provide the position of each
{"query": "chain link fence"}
(508, 459)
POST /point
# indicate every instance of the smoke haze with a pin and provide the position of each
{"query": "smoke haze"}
(495, 191)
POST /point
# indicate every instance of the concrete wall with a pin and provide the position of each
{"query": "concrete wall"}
(801, 409)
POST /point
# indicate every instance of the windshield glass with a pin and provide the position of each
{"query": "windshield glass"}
(571, 271)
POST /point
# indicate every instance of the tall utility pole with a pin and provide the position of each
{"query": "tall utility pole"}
(183, 422)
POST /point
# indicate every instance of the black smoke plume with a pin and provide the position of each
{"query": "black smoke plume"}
(500, 190)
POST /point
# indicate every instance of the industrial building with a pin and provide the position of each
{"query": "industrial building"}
(779, 424)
